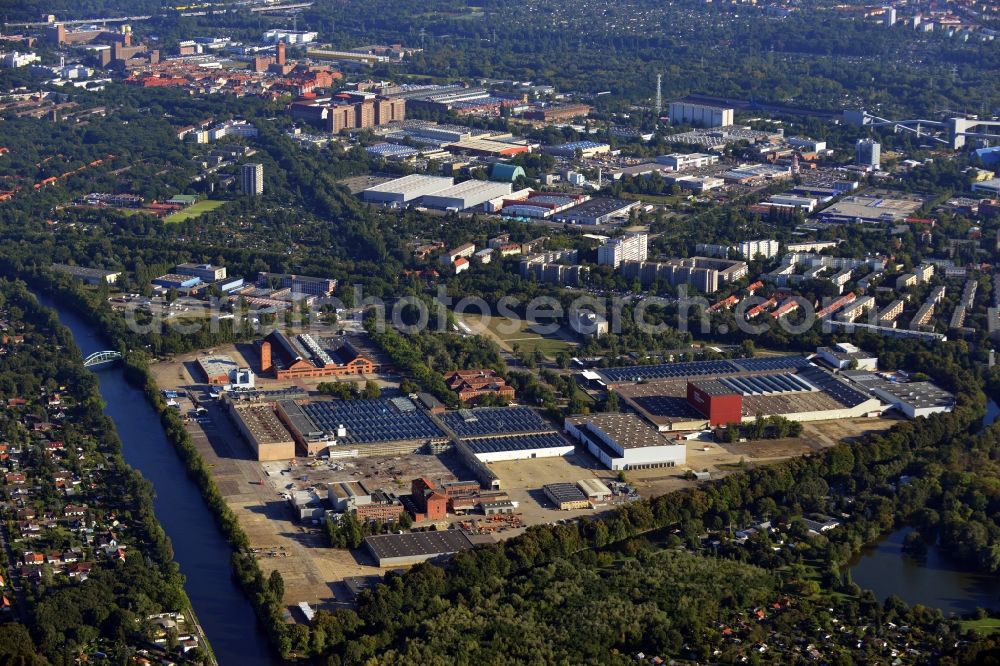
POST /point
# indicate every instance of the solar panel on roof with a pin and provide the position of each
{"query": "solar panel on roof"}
(518, 443)
(494, 421)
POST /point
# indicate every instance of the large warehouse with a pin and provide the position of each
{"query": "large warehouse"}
(624, 441)
(397, 550)
(262, 430)
(406, 189)
(494, 434)
(597, 211)
(701, 394)
(217, 368)
(466, 195)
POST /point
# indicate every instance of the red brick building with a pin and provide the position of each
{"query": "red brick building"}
(284, 358)
(471, 385)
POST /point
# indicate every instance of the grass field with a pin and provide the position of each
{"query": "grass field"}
(195, 210)
(508, 332)
(987, 626)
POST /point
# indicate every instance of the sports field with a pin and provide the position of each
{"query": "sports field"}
(509, 332)
(194, 210)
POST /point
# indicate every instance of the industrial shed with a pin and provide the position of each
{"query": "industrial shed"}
(395, 550)
(406, 189)
(466, 195)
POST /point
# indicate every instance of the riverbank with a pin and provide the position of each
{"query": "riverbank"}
(103, 482)
(204, 552)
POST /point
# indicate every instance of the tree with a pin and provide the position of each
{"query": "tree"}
(371, 390)
(276, 585)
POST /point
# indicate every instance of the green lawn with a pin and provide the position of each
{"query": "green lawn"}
(522, 334)
(990, 625)
(193, 211)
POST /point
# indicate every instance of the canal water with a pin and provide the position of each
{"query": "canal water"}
(199, 547)
(936, 581)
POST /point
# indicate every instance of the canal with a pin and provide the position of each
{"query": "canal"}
(199, 547)
(936, 581)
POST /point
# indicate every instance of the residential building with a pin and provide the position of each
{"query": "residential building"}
(683, 113)
(252, 179)
(630, 247)
(868, 152)
(753, 248)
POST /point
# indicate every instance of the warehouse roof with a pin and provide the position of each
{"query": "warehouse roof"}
(564, 492)
(517, 443)
(916, 394)
(417, 544)
(413, 183)
(369, 421)
(597, 208)
(628, 430)
(216, 365)
(475, 187)
(494, 421)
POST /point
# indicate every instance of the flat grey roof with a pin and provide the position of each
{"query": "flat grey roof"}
(596, 208)
(628, 430)
(417, 544)
(565, 492)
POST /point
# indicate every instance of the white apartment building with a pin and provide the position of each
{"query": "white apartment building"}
(630, 247)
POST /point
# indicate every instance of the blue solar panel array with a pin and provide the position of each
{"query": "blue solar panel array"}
(841, 391)
(668, 371)
(766, 384)
(702, 368)
(519, 443)
(771, 363)
(494, 421)
(369, 421)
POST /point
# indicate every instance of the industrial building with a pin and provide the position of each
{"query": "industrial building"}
(844, 355)
(487, 421)
(381, 426)
(396, 550)
(175, 281)
(303, 355)
(868, 210)
(683, 113)
(913, 399)
(88, 275)
(217, 368)
(519, 447)
(682, 161)
(566, 496)
(624, 441)
(701, 394)
(302, 284)
(466, 195)
(595, 490)
(581, 148)
(406, 189)
(207, 272)
(262, 430)
(597, 211)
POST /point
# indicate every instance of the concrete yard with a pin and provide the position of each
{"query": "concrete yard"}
(315, 574)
